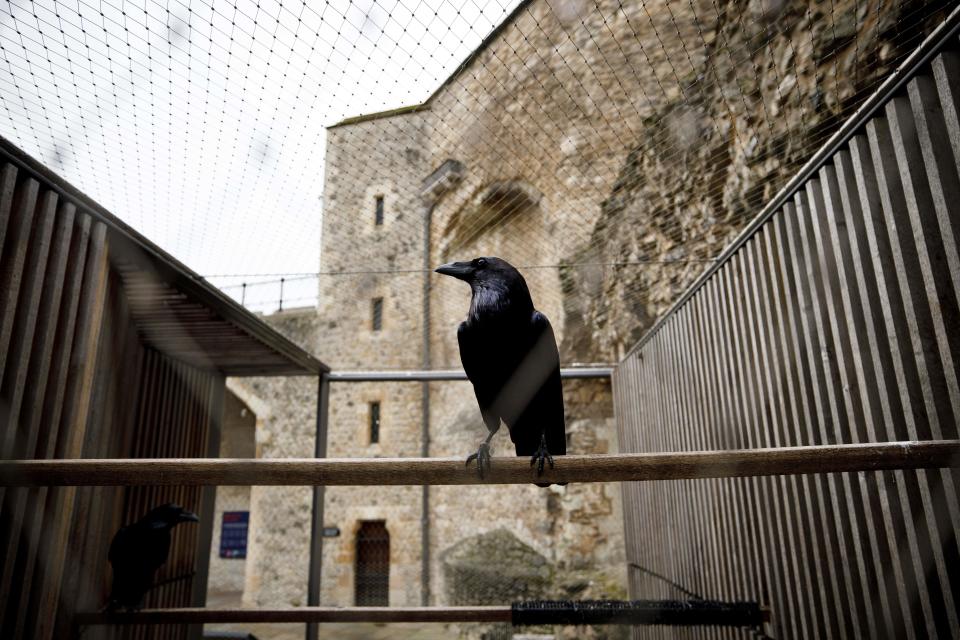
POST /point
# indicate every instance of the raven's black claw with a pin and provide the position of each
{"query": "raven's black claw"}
(541, 457)
(482, 456)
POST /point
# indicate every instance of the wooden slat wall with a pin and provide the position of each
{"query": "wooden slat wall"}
(173, 394)
(108, 433)
(77, 381)
(836, 322)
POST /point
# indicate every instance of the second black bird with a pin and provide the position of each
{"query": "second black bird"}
(509, 353)
(138, 550)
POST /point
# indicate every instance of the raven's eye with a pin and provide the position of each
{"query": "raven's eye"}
(481, 262)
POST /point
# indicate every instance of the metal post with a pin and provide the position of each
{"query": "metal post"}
(316, 526)
(243, 294)
(281, 295)
(425, 414)
(208, 498)
(439, 375)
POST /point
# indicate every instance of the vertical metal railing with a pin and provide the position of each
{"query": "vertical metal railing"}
(834, 318)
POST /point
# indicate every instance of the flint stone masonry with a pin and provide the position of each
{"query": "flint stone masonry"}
(492, 568)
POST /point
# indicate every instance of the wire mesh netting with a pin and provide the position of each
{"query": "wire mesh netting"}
(612, 151)
(321, 159)
(202, 124)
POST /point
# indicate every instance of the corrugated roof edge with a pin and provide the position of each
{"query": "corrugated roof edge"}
(453, 76)
(172, 270)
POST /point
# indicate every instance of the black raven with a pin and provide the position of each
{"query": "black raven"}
(510, 355)
(138, 550)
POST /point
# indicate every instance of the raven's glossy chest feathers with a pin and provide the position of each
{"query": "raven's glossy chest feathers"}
(500, 323)
(500, 305)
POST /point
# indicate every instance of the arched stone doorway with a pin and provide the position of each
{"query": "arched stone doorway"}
(372, 575)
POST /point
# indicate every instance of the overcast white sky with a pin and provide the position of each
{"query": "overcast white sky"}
(202, 124)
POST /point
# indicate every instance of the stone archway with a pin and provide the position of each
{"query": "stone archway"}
(493, 216)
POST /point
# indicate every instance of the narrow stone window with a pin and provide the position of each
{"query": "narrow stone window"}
(374, 422)
(377, 314)
(378, 211)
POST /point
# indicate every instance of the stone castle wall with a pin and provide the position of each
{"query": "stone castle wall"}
(365, 161)
(575, 531)
(651, 133)
(278, 543)
(653, 162)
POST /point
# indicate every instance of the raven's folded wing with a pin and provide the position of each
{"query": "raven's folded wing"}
(538, 393)
(120, 545)
(478, 368)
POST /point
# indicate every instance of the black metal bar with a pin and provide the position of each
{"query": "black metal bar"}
(316, 525)
(570, 373)
(638, 612)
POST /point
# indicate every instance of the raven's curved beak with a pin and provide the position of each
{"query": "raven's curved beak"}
(189, 516)
(459, 270)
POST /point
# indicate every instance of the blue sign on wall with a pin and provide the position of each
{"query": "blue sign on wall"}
(233, 534)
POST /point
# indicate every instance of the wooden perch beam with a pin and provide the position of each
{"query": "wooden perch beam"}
(300, 614)
(639, 612)
(450, 471)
